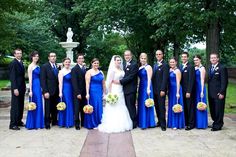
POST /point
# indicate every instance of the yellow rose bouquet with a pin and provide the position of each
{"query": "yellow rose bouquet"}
(177, 108)
(112, 98)
(88, 109)
(30, 106)
(201, 106)
(149, 102)
(61, 106)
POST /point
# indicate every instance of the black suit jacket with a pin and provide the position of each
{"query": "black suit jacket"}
(188, 78)
(217, 81)
(130, 79)
(160, 77)
(49, 81)
(17, 76)
(78, 80)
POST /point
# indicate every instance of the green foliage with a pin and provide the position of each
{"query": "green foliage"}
(104, 46)
(142, 26)
(4, 62)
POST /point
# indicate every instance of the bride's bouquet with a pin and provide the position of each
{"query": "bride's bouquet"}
(112, 98)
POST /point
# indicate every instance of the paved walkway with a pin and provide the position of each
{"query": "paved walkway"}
(60, 142)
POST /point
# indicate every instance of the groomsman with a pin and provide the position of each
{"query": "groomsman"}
(49, 84)
(79, 90)
(160, 79)
(18, 88)
(187, 82)
(217, 85)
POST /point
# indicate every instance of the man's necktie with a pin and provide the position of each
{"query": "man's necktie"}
(55, 70)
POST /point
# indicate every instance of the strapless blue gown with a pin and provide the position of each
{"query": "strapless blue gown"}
(35, 118)
(146, 116)
(95, 92)
(66, 117)
(201, 116)
(175, 120)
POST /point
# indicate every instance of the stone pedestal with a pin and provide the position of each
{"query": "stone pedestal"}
(69, 46)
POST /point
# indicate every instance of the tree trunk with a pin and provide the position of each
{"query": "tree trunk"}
(176, 50)
(213, 31)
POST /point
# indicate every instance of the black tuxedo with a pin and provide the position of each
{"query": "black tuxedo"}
(49, 84)
(17, 78)
(160, 80)
(79, 88)
(187, 82)
(217, 84)
(129, 83)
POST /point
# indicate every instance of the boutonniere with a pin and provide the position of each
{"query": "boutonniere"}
(128, 63)
(159, 64)
(216, 68)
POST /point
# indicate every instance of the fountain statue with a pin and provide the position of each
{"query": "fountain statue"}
(69, 45)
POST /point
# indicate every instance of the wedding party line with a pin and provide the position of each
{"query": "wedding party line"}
(132, 94)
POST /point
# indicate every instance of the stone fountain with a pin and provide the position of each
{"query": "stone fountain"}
(69, 45)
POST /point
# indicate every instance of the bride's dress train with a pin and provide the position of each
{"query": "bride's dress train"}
(116, 117)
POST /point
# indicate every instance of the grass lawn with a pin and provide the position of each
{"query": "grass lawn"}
(4, 83)
(230, 106)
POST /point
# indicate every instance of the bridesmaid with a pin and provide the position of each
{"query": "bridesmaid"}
(35, 118)
(175, 120)
(146, 118)
(200, 72)
(65, 118)
(95, 89)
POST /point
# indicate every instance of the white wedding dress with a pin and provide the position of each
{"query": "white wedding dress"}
(116, 117)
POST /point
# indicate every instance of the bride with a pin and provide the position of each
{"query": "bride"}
(115, 117)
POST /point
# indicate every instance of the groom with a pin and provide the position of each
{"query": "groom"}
(129, 83)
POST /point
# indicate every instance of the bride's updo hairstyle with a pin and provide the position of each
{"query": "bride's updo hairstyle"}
(116, 56)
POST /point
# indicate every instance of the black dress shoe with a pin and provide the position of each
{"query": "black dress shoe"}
(14, 128)
(21, 124)
(48, 127)
(215, 129)
(188, 128)
(158, 125)
(210, 126)
(163, 128)
(54, 123)
(77, 128)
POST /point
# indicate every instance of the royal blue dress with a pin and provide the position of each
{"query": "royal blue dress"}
(146, 117)
(201, 116)
(95, 99)
(175, 120)
(66, 117)
(35, 118)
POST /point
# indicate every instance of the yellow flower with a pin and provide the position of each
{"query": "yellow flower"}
(61, 106)
(177, 108)
(112, 98)
(30, 106)
(149, 102)
(88, 109)
(201, 106)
